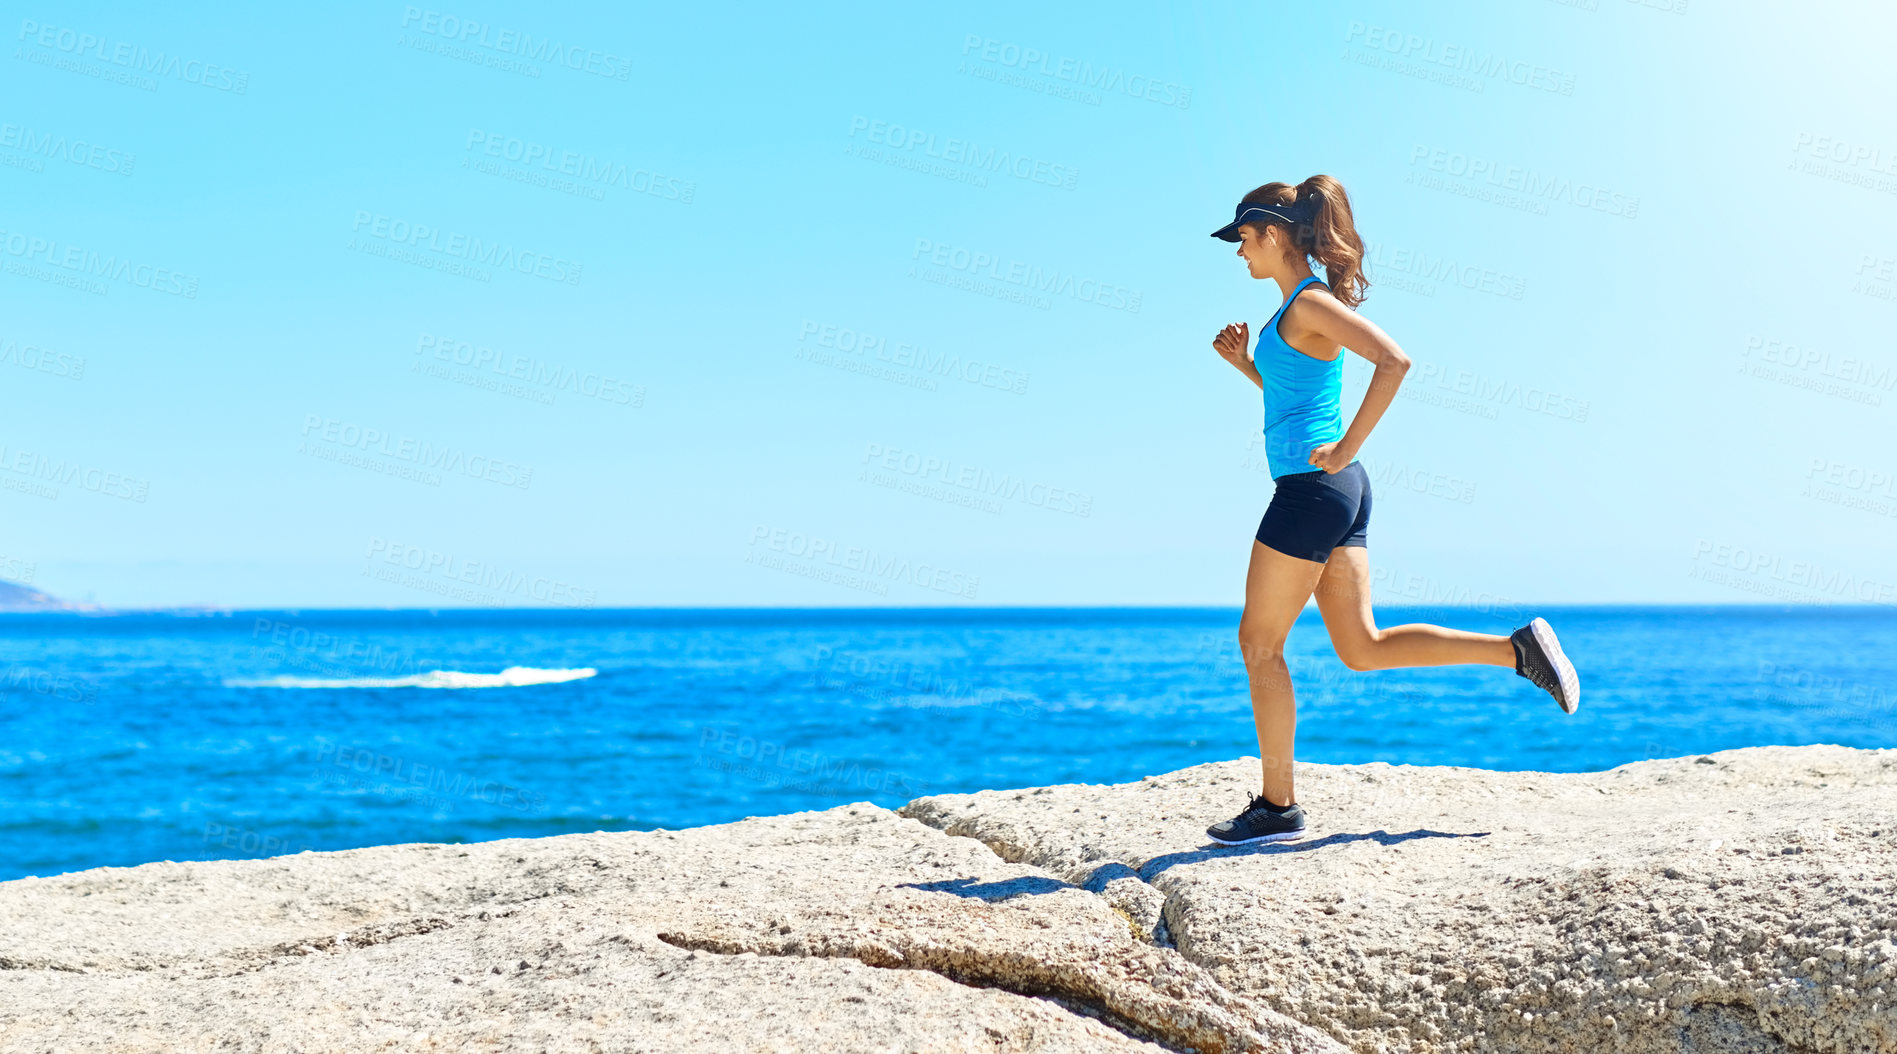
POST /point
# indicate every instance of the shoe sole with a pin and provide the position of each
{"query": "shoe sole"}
(1281, 836)
(1564, 670)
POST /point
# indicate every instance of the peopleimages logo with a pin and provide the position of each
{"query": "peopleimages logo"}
(29, 357)
(348, 435)
(76, 266)
(584, 168)
(1772, 575)
(854, 566)
(352, 654)
(1021, 273)
(70, 473)
(774, 764)
(1459, 57)
(46, 683)
(14, 569)
(472, 249)
(132, 57)
(913, 356)
(251, 843)
(1846, 369)
(1076, 72)
(485, 575)
(1855, 153)
(61, 148)
(1444, 268)
(532, 370)
(964, 152)
(1534, 188)
(401, 771)
(975, 481)
(1498, 390)
(1880, 482)
(515, 42)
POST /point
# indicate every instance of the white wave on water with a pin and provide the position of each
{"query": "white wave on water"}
(512, 677)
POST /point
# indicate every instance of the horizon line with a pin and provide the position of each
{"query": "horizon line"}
(217, 610)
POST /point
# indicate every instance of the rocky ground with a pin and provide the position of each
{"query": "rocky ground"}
(1741, 901)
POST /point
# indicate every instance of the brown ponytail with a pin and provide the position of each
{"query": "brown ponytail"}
(1326, 232)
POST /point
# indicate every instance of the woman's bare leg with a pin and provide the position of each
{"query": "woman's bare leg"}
(1343, 598)
(1276, 587)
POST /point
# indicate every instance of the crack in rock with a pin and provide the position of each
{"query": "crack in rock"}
(1129, 892)
(250, 960)
(367, 936)
(1144, 992)
(1665, 905)
(1126, 890)
(9, 963)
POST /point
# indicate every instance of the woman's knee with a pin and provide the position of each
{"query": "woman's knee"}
(1359, 653)
(1357, 660)
(1258, 644)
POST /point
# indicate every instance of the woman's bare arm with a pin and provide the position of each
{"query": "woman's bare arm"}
(1231, 343)
(1328, 321)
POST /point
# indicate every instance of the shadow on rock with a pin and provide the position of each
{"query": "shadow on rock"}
(990, 891)
(1216, 852)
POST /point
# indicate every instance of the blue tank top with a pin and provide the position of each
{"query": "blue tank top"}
(1302, 396)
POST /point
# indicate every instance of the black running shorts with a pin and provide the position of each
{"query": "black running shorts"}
(1313, 512)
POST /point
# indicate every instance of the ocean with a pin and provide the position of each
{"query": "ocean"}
(134, 738)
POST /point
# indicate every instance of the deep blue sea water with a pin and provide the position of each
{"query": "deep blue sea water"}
(134, 738)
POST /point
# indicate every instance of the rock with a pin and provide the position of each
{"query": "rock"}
(18, 596)
(851, 929)
(1674, 905)
(1648, 908)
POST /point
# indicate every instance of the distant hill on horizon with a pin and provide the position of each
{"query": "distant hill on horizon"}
(17, 597)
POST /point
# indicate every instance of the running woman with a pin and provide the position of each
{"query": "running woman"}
(1312, 537)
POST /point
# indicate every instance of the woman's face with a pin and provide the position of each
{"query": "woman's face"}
(1259, 248)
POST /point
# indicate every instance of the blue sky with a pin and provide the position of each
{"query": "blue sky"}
(395, 305)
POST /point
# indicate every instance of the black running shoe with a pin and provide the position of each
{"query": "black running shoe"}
(1259, 824)
(1538, 657)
